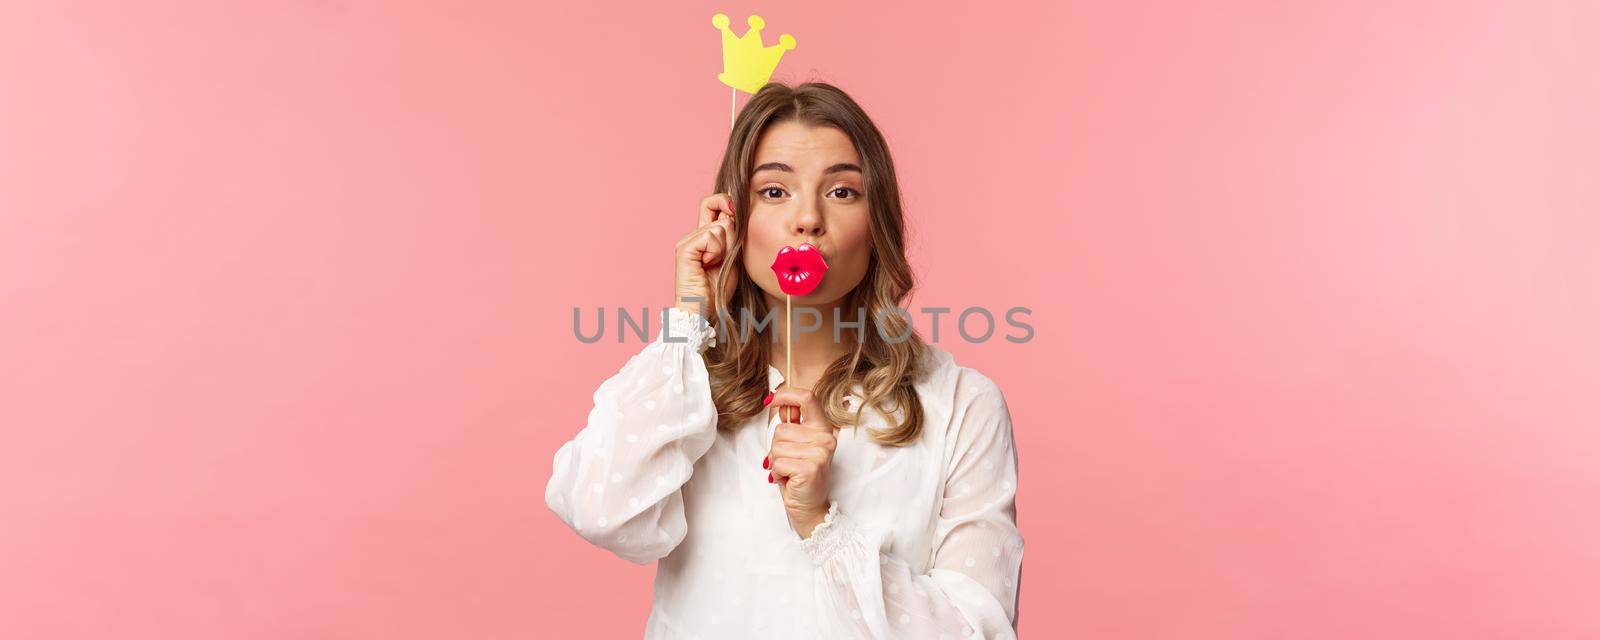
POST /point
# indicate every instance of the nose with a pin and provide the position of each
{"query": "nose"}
(809, 222)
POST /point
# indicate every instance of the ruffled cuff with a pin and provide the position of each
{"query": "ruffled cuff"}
(835, 533)
(682, 327)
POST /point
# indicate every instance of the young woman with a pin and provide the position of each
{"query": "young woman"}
(886, 509)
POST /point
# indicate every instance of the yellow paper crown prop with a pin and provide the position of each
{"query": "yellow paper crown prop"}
(747, 64)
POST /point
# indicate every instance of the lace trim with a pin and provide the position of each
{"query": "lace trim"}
(834, 533)
(686, 325)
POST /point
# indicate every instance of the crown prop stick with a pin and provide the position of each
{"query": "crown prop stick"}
(747, 65)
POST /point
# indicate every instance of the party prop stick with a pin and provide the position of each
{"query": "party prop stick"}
(799, 271)
(747, 64)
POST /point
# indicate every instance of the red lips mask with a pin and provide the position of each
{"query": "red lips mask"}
(799, 270)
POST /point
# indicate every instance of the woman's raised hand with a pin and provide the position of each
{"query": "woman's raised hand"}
(700, 254)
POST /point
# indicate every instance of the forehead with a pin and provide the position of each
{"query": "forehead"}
(804, 146)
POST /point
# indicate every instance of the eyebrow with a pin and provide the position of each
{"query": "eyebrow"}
(837, 168)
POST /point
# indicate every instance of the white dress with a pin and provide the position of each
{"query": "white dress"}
(919, 542)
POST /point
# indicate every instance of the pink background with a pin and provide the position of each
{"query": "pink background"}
(286, 294)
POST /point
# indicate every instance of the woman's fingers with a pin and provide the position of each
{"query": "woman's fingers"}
(716, 223)
(826, 436)
(784, 468)
(702, 251)
(796, 450)
(713, 208)
(809, 406)
(716, 245)
(708, 211)
(727, 222)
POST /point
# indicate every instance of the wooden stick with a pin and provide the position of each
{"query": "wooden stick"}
(788, 345)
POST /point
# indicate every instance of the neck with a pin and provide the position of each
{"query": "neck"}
(812, 349)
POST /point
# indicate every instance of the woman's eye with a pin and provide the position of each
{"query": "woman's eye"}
(846, 189)
(767, 192)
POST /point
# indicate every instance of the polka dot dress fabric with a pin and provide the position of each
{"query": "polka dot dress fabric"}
(919, 541)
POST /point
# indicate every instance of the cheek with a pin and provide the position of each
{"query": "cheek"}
(856, 237)
(760, 240)
(855, 240)
(856, 243)
(762, 233)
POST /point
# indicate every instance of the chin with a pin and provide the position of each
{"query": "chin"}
(822, 296)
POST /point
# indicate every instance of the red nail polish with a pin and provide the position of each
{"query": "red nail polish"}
(767, 400)
(769, 477)
(766, 463)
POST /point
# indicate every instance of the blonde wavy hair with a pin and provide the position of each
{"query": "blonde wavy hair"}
(886, 370)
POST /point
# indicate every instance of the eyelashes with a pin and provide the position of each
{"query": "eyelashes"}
(853, 192)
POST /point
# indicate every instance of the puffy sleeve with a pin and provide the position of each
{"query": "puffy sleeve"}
(971, 590)
(618, 482)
